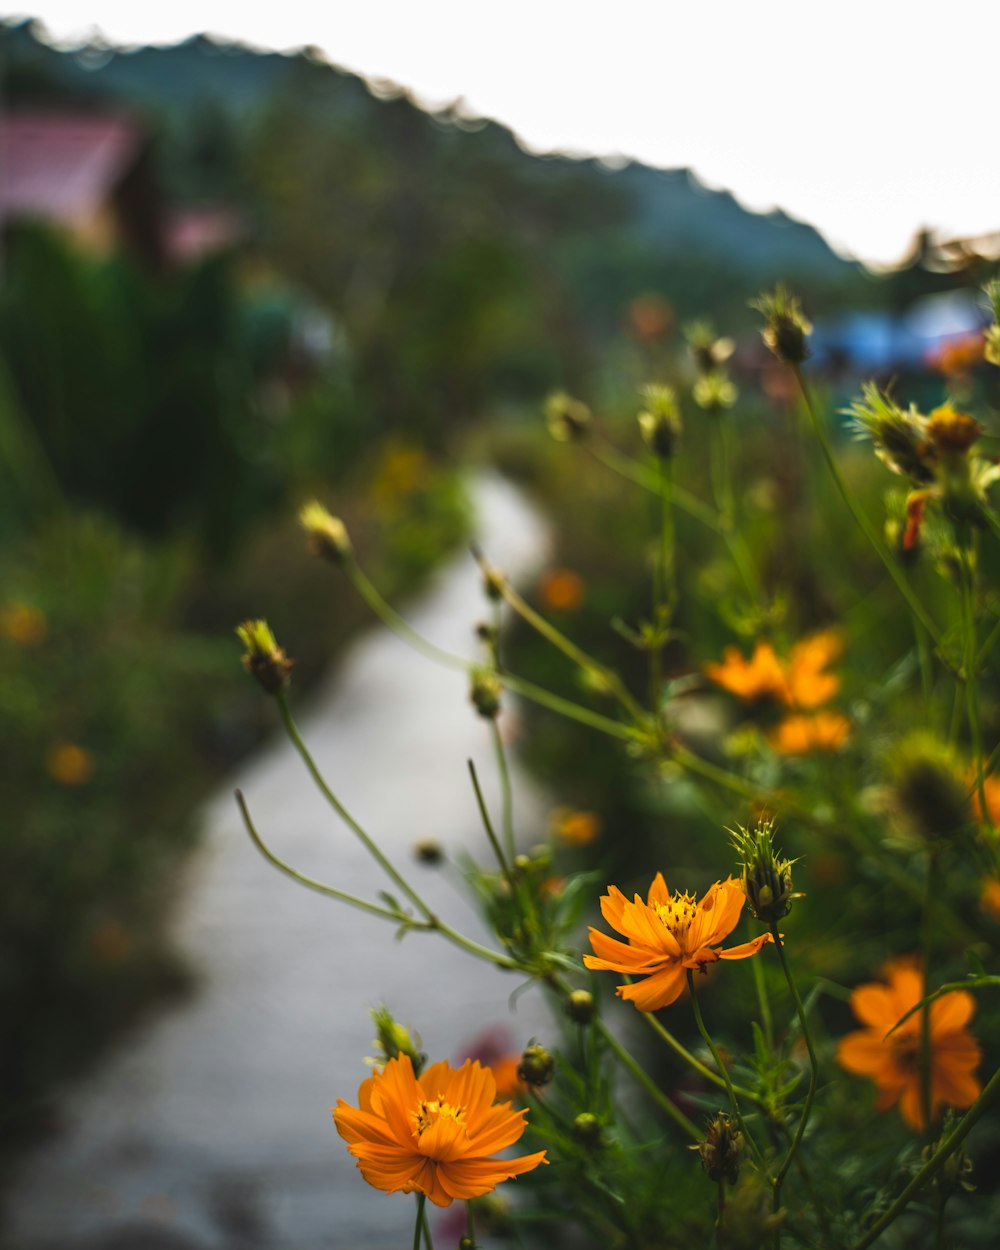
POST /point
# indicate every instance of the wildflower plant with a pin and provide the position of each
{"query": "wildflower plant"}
(748, 1094)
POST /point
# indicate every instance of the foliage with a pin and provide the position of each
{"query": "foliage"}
(862, 866)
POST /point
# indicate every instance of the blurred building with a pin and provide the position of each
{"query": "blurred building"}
(93, 176)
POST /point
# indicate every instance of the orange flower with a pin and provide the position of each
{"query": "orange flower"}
(762, 675)
(798, 735)
(575, 828)
(893, 1063)
(22, 623)
(434, 1134)
(69, 764)
(667, 934)
(561, 590)
(991, 787)
(798, 682)
(808, 685)
(989, 898)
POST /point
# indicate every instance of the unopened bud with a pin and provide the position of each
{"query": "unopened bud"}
(394, 1039)
(485, 693)
(263, 659)
(536, 1066)
(429, 851)
(493, 583)
(767, 878)
(327, 535)
(588, 1131)
(660, 420)
(580, 1006)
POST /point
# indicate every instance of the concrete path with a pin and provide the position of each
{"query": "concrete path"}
(211, 1130)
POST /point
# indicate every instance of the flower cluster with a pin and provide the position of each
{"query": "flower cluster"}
(799, 683)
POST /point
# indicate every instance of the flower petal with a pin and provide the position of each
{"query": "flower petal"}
(745, 949)
(655, 991)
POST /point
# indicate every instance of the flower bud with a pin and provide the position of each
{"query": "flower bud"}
(326, 534)
(393, 1039)
(466, 1243)
(720, 1151)
(953, 1176)
(952, 431)
(929, 793)
(536, 1066)
(714, 392)
(580, 1006)
(567, 418)
(263, 658)
(493, 583)
(660, 420)
(485, 693)
(785, 328)
(767, 878)
(587, 1130)
(429, 851)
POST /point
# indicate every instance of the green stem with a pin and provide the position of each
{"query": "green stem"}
(763, 1002)
(573, 711)
(310, 882)
(934, 1164)
(392, 620)
(730, 1089)
(428, 1241)
(628, 468)
(419, 1226)
(969, 674)
(433, 921)
(691, 1060)
(505, 790)
(927, 941)
(296, 739)
(607, 677)
(894, 571)
(488, 825)
(813, 1068)
(647, 1082)
(668, 581)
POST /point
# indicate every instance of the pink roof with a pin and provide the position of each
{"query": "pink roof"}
(61, 167)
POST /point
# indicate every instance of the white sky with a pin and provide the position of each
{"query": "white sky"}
(867, 119)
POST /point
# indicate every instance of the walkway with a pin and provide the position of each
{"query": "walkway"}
(211, 1129)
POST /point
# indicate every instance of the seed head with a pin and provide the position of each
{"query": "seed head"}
(568, 419)
(785, 327)
(720, 1151)
(660, 420)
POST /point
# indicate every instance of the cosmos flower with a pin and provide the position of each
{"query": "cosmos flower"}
(435, 1134)
(893, 1062)
(667, 935)
(799, 735)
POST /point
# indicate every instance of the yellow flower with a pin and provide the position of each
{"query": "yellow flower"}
(667, 934)
(435, 1134)
(69, 764)
(893, 1062)
(575, 828)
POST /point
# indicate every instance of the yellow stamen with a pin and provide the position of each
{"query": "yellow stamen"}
(678, 913)
(434, 1110)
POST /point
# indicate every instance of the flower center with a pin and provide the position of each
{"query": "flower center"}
(906, 1052)
(430, 1112)
(678, 913)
